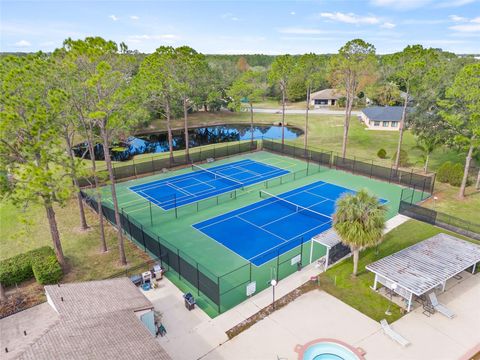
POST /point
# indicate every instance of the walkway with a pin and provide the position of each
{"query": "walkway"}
(301, 112)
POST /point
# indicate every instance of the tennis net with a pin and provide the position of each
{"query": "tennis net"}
(218, 176)
(294, 207)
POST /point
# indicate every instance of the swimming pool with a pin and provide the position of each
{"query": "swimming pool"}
(327, 349)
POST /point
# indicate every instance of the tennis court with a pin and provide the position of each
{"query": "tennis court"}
(277, 224)
(203, 183)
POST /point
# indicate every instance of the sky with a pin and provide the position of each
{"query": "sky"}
(244, 27)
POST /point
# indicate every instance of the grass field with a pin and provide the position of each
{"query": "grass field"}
(26, 230)
(356, 291)
(213, 258)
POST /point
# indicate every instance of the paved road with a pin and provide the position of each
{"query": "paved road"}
(300, 111)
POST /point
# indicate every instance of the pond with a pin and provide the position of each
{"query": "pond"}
(143, 143)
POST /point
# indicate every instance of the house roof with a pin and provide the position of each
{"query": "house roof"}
(326, 94)
(97, 320)
(427, 264)
(384, 113)
(94, 298)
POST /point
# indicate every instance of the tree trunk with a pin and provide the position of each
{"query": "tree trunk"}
(108, 161)
(425, 168)
(83, 219)
(461, 193)
(477, 184)
(283, 115)
(400, 129)
(185, 118)
(3, 296)
(346, 125)
(251, 124)
(98, 195)
(305, 139)
(57, 245)
(169, 131)
(355, 261)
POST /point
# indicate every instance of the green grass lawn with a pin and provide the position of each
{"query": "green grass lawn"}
(356, 292)
(25, 230)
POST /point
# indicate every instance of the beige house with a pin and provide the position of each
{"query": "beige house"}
(325, 97)
(382, 117)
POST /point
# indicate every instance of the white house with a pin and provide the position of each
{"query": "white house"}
(325, 97)
(382, 117)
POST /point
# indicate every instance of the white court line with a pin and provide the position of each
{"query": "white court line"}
(179, 189)
(296, 212)
(255, 225)
(287, 241)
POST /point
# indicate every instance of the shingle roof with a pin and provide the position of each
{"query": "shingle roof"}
(421, 267)
(326, 94)
(95, 298)
(97, 321)
(384, 113)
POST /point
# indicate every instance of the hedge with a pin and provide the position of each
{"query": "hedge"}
(40, 263)
(451, 173)
(382, 154)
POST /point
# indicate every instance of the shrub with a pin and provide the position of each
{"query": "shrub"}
(41, 263)
(16, 269)
(456, 175)
(443, 173)
(382, 154)
(404, 161)
(45, 266)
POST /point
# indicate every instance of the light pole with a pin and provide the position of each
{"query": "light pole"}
(392, 288)
(434, 202)
(273, 283)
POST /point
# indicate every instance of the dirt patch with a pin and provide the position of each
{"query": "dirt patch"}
(280, 303)
(22, 298)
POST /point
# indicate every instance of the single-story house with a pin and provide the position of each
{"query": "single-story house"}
(382, 117)
(325, 97)
(107, 319)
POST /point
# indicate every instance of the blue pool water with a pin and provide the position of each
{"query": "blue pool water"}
(329, 351)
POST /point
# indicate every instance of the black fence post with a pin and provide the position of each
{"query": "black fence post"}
(134, 168)
(371, 170)
(143, 238)
(178, 263)
(198, 281)
(159, 251)
(151, 216)
(153, 166)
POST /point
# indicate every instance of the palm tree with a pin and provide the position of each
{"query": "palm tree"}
(359, 221)
(426, 144)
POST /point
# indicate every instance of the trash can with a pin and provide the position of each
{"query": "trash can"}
(189, 301)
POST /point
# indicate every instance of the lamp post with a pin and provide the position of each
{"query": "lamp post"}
(392, 288)
(434, 202)
(273, 283)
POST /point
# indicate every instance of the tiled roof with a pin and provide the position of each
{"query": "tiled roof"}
(384, 113)
(94, 298)
(97, 321)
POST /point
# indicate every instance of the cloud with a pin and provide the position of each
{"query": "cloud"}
(229, 16)
(23, 43)
(350, 18)
(387, 25)
(134, 17)
(469, 26)
(114, 18)
(292, 12)
(454, 3)
(457, 18)
(400, 4)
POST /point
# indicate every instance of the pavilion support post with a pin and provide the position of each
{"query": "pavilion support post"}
(311, 251)
(327, 256)
(474, 267)
(374, 287)
(409, 307)
(443, 285)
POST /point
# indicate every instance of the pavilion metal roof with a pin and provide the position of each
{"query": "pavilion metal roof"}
(427, 264)
(328, 238)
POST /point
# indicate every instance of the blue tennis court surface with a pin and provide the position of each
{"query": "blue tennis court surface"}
(261, 231)
(204, 183)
